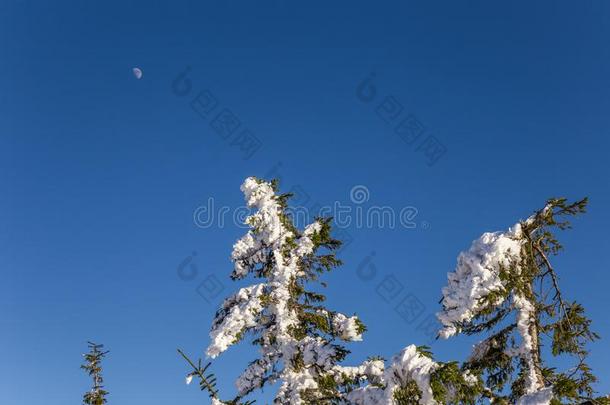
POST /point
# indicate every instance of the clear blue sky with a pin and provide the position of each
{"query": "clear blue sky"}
(101, 172)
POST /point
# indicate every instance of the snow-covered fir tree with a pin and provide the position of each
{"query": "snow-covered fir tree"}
(300, 340)
(93, 366)
(505, 286)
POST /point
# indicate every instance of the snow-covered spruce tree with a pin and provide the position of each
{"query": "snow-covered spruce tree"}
(299, 339)
(93, 367)
(506, 286)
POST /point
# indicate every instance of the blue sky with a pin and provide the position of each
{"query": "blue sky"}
(101, 172)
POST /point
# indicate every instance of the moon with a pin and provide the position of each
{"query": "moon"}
(137, 72)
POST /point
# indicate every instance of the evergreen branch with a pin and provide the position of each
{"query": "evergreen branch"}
(92, 365)
(206, 382)
(559, 297)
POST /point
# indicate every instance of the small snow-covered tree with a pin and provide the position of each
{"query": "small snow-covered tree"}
(93, 366)
(506, 286)
(299, 339)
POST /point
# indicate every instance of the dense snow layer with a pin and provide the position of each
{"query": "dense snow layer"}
(267, 233)
(476, 275)
(408, 365)
(525, 317)
(239, 313)
(346, 328)
(370, 370)
(253, 375)
(542, 397)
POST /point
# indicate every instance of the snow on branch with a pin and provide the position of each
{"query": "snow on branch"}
(238, 313)
(476, 276)
(408, 366)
